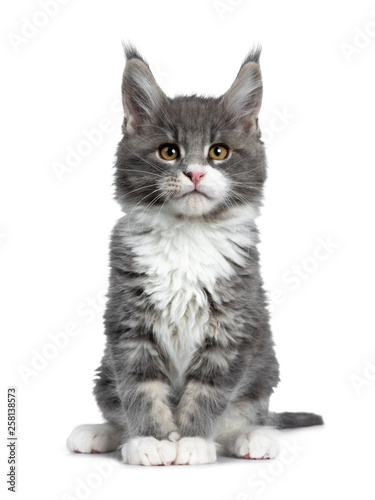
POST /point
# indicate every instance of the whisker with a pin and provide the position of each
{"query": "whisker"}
(138, 189)
(239, 161)
(228, 203)
(166, 199)
(239, 197)
(248, 184)
(243, 159)
(149, 206)
(149, 194)
(146, 161)
(244, 172)
(140, 171)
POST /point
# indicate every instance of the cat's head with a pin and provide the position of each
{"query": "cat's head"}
(190, 156)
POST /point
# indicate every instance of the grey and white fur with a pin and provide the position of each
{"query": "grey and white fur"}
(189, 364)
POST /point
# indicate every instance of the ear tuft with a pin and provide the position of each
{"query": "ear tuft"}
(244, 98)
(131, 52)
(253, 55)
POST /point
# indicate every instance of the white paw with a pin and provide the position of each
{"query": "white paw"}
(148, 451)
(195, 451)
(258, 444)
(98, 438)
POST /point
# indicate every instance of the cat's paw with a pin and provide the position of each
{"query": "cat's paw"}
(99, 438)
(195, 451)
(259, 444)
(148, 451)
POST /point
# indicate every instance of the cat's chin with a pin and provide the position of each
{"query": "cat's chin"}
(193, 204)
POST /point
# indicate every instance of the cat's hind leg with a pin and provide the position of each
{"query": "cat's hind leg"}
(241, 433)
(94, 438)
(257, 444)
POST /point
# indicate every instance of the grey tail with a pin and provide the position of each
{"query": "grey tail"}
(289, 420)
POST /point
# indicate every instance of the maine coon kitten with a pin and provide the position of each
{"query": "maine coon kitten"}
(189, 364)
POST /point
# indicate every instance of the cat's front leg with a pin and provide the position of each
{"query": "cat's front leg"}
(147, 450)
(199, 408)
(143, 387)
(152, 432)
(211, 381)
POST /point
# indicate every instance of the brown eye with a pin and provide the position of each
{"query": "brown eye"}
(169, 152)
(218, 152)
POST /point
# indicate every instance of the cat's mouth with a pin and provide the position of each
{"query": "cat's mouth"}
(194, 192)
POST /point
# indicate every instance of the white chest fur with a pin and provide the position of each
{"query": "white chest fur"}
(183, 259)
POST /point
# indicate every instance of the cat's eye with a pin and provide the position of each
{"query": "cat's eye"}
(218, 152)
(169, 152)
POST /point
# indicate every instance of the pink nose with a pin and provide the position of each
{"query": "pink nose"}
(195, 177)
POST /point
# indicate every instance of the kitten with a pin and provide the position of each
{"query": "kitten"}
(189, 364)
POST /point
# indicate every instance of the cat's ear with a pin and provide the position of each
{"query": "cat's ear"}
(244, 98)
(141, 95)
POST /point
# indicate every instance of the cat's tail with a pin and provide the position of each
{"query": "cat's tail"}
(289, 420)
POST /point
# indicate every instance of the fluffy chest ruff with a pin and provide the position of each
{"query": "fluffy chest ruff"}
(183, 259)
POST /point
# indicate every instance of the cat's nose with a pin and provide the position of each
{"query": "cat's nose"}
(195, 176)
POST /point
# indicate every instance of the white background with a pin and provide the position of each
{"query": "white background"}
(64, 78)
